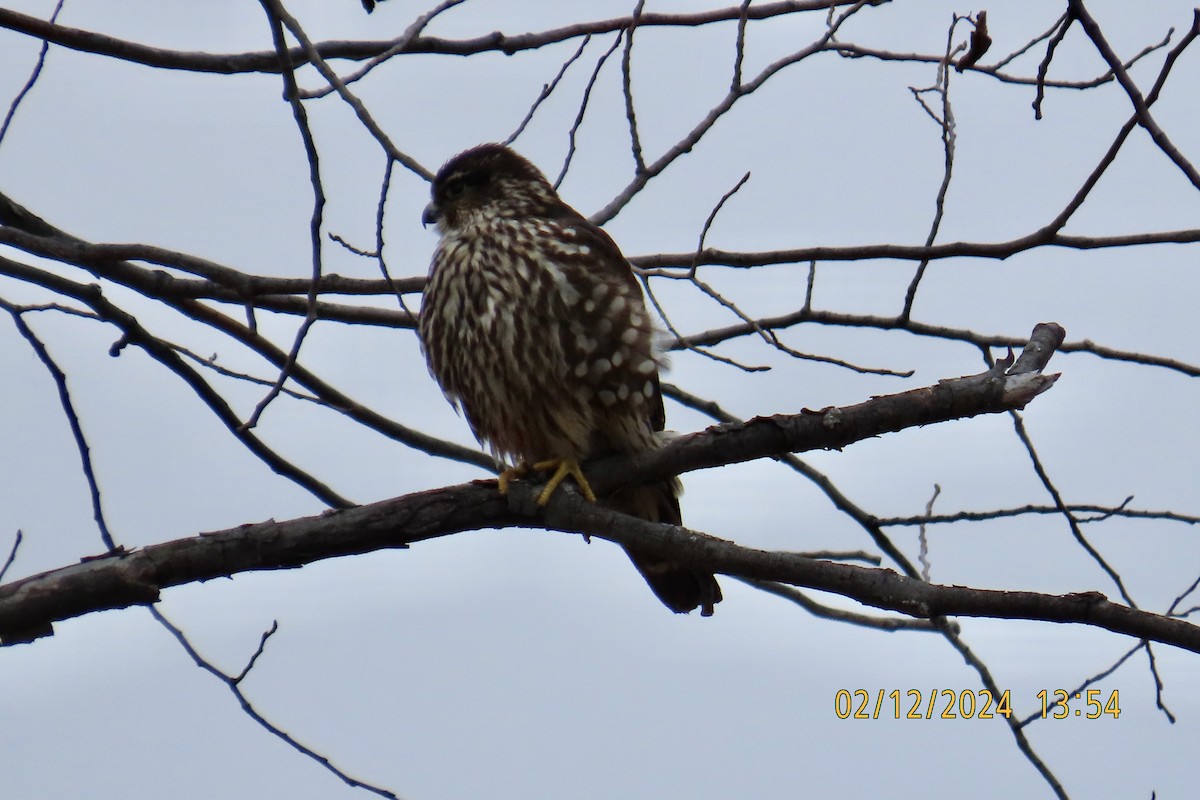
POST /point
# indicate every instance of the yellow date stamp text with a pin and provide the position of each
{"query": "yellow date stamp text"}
(969, 704)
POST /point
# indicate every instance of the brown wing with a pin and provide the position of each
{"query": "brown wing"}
(609, 263)
(680, 588)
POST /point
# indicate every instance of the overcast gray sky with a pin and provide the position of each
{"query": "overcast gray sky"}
(522, 664)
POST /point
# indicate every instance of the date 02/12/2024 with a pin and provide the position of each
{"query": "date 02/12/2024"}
(968, 704)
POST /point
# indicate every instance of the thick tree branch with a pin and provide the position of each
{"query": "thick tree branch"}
(901, 252)
(28, 607)
(835, 428)
(267, 61)
(21, 228)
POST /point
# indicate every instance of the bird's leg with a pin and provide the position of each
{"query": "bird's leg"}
(509, 475)
(562, 468)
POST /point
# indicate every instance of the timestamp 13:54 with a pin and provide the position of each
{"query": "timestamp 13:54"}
(1058, 704)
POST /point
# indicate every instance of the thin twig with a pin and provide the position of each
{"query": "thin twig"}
(923, 554)
(949, 139)
(1072, 523)
(398, 45)
(1081, 688)
(1152, 662)
(690, 139)
(712, 217)
(1173, 611)
(1141, 107)
(573, 132)
(1064, 24)
(275, 8)
(132, 332)
(1014, 726)
(233, 683)
(635, 141)
(292, 93)
(888, 624)
(924, 329)
(1102, 513)
(547, 90)
(68, 406)
(380, 212)
(12, 554)
(739, 58)
(670, 326)
(1110, 156)
(1032, 43)
(211, 364)
(33, 77)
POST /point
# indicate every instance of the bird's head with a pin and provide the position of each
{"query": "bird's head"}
(491, 180)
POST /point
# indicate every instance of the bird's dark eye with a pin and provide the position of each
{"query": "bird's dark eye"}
(458, 183)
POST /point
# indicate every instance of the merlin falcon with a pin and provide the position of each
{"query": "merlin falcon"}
(534, 325)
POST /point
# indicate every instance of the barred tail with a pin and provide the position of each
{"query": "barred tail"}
(680, 588)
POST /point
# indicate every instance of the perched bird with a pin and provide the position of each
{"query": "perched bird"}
(534, 325)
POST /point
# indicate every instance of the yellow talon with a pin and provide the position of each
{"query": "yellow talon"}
(562, 468)
(509, 475)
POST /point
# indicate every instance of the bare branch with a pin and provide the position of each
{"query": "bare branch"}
(923, 553)
(583, 106)
(1072, 523)
(888, 624)
(635, 140)
(397, 46)
(33, 77)
(547, 90)
(27, 608)
(904, 252)
(1158, 684)
(985, 675)
(292, 92)
(1101, 512)
(266, 61)
(12, 554)
(1141, 107)
(945, 120)
(68, 406)
(1055, 40)
(1107, 159)
(1020, 51)
(62, 246)
(838, 498)
(360, 110)
(709, 338)
(692, 137)
(132, 332)
(1081, 688)
(29, 605)
(233, 682)
(735, 83)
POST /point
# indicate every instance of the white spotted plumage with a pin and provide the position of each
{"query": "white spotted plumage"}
(587, 344)
(534, 324)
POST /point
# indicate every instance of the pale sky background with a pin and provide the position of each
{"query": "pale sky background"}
(520, 664)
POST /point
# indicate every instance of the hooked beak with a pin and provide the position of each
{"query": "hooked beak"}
(431, 214)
